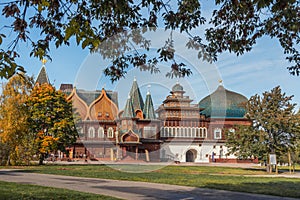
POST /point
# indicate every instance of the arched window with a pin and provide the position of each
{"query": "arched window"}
(184, 132)
(91, 132)
(204, 131)
(168, 131)
(217, 133)
(189, 132)
(181, 132)
(165, 132)
(177, 132)
(162, 132)
(198, 133)
(100, 132)
(193, 132)
(173, 132)
(110, 132)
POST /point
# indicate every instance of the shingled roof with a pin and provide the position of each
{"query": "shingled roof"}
(42, 77)
(128, 110)
(148, 107)
(136, 97)
(89, 96)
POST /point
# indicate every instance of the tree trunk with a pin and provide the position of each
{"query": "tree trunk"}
(41, 161)
(8, 161)
(290, 165)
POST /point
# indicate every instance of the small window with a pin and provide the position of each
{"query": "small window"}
(217, 133)
(91, 132)
(100, 132)
(99, 114)
(110, 132)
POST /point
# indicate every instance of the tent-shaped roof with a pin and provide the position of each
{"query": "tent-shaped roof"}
(42, 76)
(148, 108)
(136, 97)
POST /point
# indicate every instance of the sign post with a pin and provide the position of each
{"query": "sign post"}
(272, 158)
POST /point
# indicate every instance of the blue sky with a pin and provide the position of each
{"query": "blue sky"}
(255, 72)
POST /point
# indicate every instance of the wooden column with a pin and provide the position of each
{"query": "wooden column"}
(147, 155)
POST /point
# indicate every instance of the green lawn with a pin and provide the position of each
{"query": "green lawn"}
(14, 191)
(225, 178)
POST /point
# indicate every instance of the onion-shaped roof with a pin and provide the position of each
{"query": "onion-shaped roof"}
(177, 88)
(223, 103)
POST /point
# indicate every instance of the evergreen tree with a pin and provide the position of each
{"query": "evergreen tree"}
(51, 120)
(17, 146)
(275, 127)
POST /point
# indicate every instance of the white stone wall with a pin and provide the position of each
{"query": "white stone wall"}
(177, 151)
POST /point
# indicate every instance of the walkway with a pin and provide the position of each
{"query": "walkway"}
(127, 189)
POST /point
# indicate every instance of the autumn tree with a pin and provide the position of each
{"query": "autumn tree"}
(15, 138)
(51, 120)
(275, 127)
(233, 26)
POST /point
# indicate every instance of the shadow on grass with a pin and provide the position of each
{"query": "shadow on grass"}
(14, 172)
(281, 188)
(196, 193)
(287, 170)
(84, 180)
(255, 169)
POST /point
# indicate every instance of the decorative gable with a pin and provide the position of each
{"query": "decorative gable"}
(130, 137)
(79, 106)
(103, 108)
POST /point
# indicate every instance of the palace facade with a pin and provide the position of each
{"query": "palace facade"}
(177, 130)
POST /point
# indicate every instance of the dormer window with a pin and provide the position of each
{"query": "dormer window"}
(107, 114)
(99, 114)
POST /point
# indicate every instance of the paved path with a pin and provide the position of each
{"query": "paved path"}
(126, 189)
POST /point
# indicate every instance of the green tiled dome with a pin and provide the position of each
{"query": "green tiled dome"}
(223, 103)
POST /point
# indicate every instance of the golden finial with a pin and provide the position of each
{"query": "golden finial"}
(221, 82)
(44, 61)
